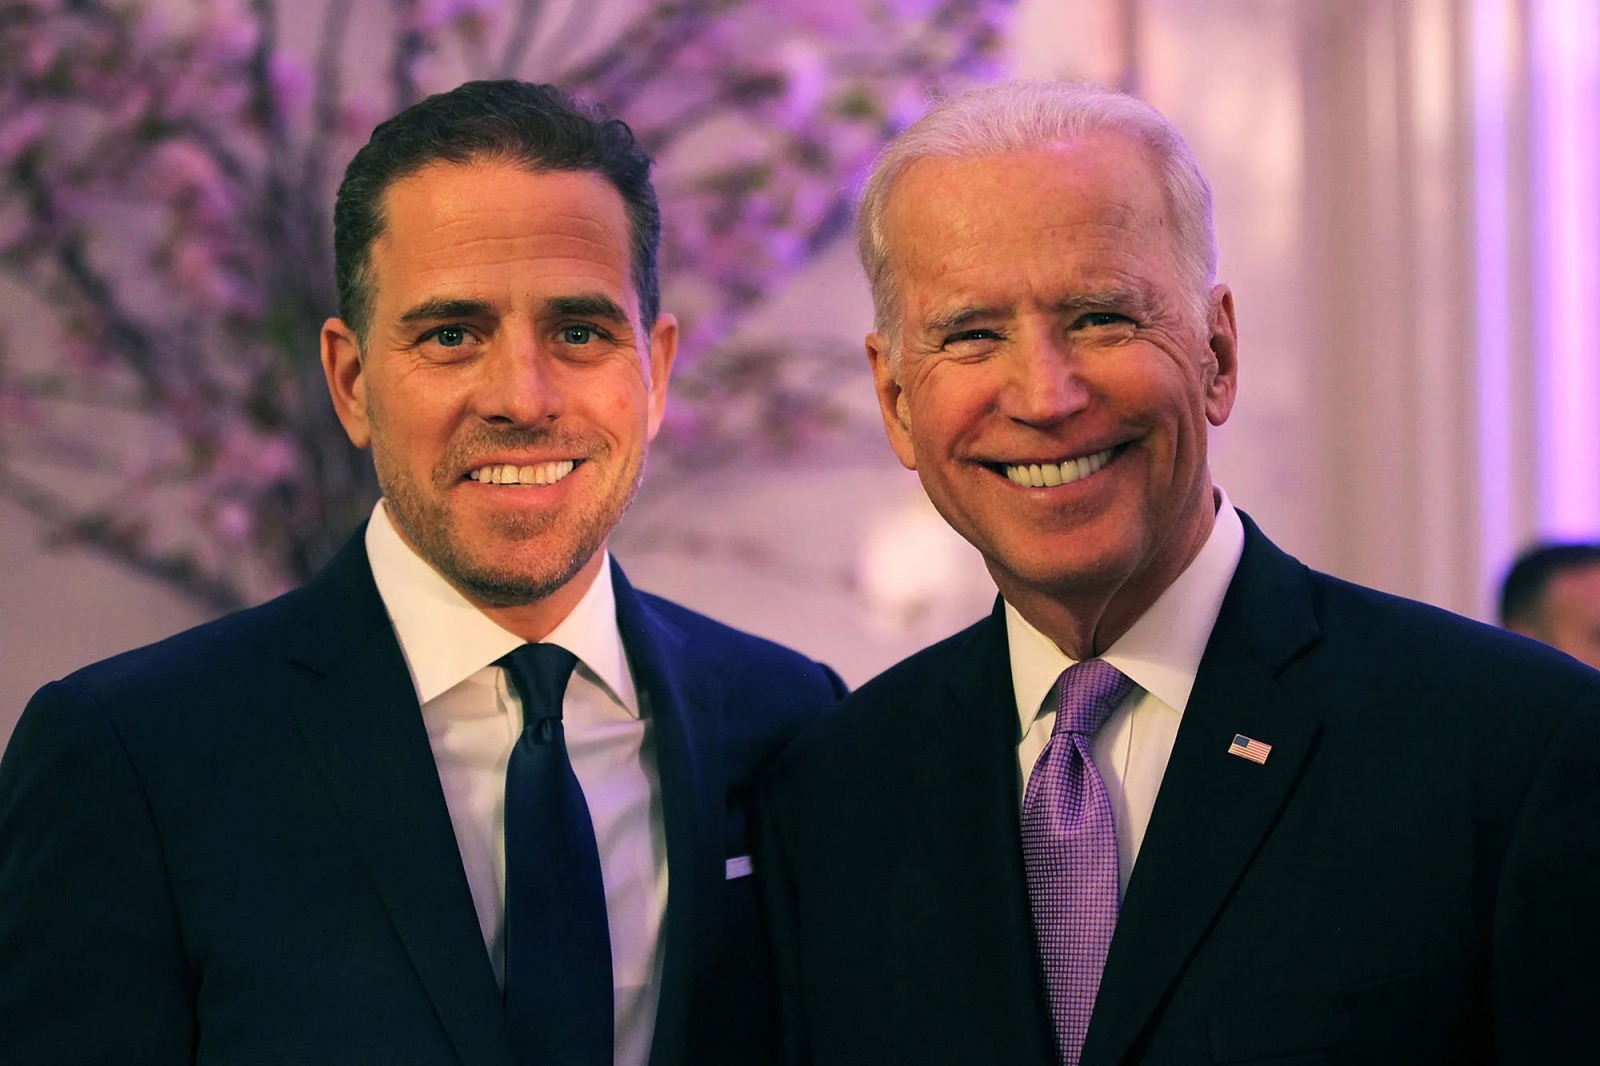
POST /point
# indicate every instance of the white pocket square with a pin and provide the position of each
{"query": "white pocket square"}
(740, 866)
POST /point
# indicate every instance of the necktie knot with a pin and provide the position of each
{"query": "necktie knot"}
(540, 673)
(1087, 694)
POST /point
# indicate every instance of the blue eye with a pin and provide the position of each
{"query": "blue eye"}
(577, 334)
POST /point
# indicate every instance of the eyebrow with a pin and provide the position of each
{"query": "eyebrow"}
(433, 310)
(1117, 296)
(964, 316)
(589, 305)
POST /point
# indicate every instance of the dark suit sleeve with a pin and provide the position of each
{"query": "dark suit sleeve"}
(779, 907)
(1545, 955)
(782, 931)
(91, 966)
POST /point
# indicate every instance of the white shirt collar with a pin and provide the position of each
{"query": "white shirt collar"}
(1161, 651)
(445, 639)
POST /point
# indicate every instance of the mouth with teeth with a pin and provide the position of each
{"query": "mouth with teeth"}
(1050, 475)
(511, 474)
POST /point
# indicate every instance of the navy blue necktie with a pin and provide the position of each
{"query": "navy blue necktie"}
(558, 945)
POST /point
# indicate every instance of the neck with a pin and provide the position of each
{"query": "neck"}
(1085, 619)
(1083, 625)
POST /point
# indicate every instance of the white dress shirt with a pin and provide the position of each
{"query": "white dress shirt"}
(473, 717)
(1161, 653)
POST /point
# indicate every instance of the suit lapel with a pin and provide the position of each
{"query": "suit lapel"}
(1214, 808)
(963, 762)
(689, 767)
(360, 718)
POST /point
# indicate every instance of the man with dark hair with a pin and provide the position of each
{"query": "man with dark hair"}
(1552, 593)
(467, 797)
(1179, 799)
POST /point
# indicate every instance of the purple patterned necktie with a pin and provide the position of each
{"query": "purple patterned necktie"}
(1069, 845)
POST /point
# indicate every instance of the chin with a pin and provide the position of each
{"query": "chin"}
(502, 588)
(1077, 572)
(512, 572)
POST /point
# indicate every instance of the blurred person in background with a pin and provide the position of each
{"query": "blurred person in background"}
(1552, 593)
(467, 797)
(1180, 798)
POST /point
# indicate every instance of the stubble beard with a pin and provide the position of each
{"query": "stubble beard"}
(435, 534)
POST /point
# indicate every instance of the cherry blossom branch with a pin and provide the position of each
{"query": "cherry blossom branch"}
(122, 544)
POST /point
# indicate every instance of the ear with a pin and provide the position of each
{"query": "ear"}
(1221, 378)
(342, 366)
(663, 352)
(892, 402)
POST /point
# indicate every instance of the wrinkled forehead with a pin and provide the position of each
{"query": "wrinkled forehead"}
(1083, 208)
(1104, 179)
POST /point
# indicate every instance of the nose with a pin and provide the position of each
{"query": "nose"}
(1044, 382)
(521, 385)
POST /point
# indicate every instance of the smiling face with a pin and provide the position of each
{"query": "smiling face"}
(507, 388)
(1055, 385)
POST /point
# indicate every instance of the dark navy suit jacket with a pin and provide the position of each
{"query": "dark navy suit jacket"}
(1412, 877)
(233, 847)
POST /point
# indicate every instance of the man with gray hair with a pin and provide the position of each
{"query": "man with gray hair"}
(1179, 798)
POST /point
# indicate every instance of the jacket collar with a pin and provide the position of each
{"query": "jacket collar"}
(685, 707)
(358, 712)
(1214, 808)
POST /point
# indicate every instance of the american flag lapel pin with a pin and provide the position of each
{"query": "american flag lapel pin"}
(1249, 748)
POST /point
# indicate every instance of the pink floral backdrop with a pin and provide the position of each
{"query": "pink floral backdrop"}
(169, 172)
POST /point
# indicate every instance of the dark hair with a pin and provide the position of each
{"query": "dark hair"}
(1522, 590)
(539, 127)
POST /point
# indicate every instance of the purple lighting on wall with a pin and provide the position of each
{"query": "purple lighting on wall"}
(1490, 86)
(1565, 69)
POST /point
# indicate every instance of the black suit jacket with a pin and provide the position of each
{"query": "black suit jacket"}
(1412, 877)
(233, 846)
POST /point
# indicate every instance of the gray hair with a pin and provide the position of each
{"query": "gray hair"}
(1017, 116)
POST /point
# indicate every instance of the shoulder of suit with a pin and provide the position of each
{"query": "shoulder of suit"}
(716, 636)
(731, 651)
(1356, 623)
(874, 717)
(340, 599)
(219, 648)
(931, 667)
(1354, 612)
(1407, 669)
